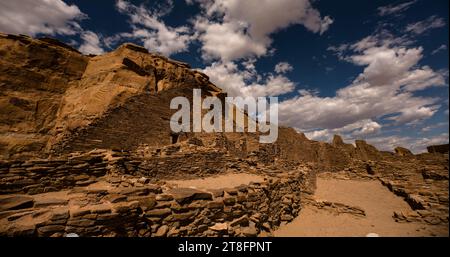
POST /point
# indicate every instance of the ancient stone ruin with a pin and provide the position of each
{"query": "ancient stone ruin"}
(86, 148)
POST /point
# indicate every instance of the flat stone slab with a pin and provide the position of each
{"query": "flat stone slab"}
(16, 202)
(183, 195)
(50, 202)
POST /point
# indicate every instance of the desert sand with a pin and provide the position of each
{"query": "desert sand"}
(229, 180)
(375, 199)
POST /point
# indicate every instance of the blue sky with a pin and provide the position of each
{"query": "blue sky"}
(373, 70)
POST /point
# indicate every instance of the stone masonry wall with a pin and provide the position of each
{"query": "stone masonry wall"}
(81, 169)
(47, 175)
(178, 165)
(156, 211)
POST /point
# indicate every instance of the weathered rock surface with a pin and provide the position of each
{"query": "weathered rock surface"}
(85, 147)
(54, 95)
(402, 151)
(438, 148)
(165, 212)
(56, 100)
(15, 202)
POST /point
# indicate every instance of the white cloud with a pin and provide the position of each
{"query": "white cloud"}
(319, 135)
(283, 67)
(382, 38)
(91, 43)
(439, 49)
(32, 17)
(245, 82)
(395, 9)
(420, 27)
(151, 30)
(383, 143)
(339, 51)
(435, 126)
(384, 66)
(227, 41)
(227, 76)
(50, 17)
(272, 86)
(283, 13)
(415, 115)
(234, 29)
(361, 128)
(368, 128)
(383, 91)
(390, 61)
(388, 143)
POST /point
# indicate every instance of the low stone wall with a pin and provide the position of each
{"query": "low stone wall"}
(156, 211)
(81, 169)
(178, 165)
(46, 175)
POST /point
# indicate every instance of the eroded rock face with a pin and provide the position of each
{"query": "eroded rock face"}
(34, 75)
(366, 151)
(105, 119)
(401, 151)
(438, 148)
(55, 100)
(8, 203)
(51, 95)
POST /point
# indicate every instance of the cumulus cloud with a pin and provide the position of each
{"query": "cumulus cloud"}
(91, 43)
(420, 27)
(383, 91)
(32, 17)
(272, 86)
(368, 128)
(246, 82)
(361, 128)
(395, 8)
(283, 67)
(49, 17)
(319, 135)
(227, 41)
(234, 29)
(147, 27)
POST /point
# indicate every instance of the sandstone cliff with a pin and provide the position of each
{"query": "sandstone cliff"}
(52, 95)
(101, 126)
(55, 100)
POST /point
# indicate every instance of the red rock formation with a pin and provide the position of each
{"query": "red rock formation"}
(401, 151)
(56, 100)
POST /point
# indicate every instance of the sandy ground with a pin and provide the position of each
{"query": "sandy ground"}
(377, 201)
(220, 181)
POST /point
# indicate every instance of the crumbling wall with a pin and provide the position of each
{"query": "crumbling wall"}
(152, 210)
(180, 165)
(47, 175)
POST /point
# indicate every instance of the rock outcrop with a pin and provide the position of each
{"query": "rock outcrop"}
(34, 75)
(401, 151)
(438, 148)
(54, 95)
(56, 101)
(71, 123)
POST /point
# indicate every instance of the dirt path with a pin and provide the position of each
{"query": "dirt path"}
(376, 200)
(220, 181)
